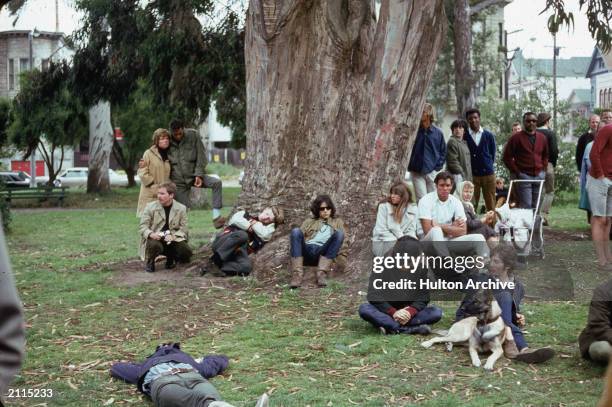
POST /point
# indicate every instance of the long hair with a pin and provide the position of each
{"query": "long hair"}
(399, 188)
(314, 206)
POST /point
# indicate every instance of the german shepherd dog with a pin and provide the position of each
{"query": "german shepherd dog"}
(483, 330)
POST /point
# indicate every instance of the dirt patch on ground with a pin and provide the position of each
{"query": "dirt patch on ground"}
(555, 235)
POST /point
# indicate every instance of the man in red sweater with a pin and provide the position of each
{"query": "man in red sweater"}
(526, 156)
(599, 189)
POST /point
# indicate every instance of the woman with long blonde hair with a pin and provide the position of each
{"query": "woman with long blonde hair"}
(396, 217)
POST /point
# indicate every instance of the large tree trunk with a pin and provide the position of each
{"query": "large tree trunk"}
(464, 76)
(100, 147)
(334, 99)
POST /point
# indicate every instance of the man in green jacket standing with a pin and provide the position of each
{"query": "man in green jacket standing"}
(188, 164)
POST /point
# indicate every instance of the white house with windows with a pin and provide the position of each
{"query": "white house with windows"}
(600, 74)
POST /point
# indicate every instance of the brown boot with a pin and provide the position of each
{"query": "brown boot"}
(297, 272)
(219, 222)
(510, 349)
(323, 269)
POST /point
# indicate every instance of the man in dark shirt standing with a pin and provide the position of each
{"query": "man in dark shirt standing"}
(553, 154)
(428, 154)
(526, 156)
(585, 139)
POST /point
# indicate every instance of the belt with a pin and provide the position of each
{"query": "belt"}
(174, 371)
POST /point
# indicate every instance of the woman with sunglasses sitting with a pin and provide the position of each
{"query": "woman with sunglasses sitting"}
(316, 242)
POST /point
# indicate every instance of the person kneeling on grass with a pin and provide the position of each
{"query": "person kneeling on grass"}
(316, 242)
(501, 268)
(163, 229)
(172, 378)
(400, 311)
(243, 235)
(595, 340)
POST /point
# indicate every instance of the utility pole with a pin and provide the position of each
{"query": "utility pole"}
(508, 61)
(555, 54)
(33, 153)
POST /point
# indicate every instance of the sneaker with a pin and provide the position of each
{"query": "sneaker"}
(510, 349)
(219, 222)
(541, 355)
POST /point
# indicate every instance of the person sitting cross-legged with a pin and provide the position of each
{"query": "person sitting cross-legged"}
(163, 229)
(317, 242)
(400, 311)
(244, 235)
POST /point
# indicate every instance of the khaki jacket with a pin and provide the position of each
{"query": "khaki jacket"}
(187, 158)
(310, 227)
(153, 219)
(155, 172)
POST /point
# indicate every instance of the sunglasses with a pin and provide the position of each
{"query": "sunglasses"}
(324, 208)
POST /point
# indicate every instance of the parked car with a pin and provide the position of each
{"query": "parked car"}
(13, 179)
(77, 177)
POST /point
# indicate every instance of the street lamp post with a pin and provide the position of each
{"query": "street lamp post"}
(31, 35)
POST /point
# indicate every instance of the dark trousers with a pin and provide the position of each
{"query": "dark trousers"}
(183, 390)
(312, 252)
(230, 253)
(428, 315)
(183, 191)
(179, 251)
(486, 184)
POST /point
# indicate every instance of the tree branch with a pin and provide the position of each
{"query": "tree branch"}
(478, 7)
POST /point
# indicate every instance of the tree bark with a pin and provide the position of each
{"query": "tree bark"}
(100, 147)
(464, 76)
(334, 99)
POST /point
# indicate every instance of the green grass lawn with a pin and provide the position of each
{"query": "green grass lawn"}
(305, 348)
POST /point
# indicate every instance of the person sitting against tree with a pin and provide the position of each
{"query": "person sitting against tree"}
(155, 169)
(595, 340)
(444, 223)
(317, 242)
(483, 225)
(458, 159)
(173, 378)
(163, 229)
(244, 234)
(396, 217)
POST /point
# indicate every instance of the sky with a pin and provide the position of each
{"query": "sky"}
(534, 39)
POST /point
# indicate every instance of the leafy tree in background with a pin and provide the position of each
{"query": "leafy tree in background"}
(138, 117)
(5, 114)
(47, 116)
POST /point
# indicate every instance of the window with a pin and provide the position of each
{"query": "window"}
(604, 100)
(44, 64)
(11, 73)
(600, 98)
(23, 64)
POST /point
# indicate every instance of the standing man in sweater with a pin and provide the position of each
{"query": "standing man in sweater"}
(428, 154)
(526, 156)
(553, 154)
(482, 147)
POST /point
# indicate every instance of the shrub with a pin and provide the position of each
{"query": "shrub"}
(5, 213)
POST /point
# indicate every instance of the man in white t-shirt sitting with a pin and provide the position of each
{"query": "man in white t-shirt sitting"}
(443, 222)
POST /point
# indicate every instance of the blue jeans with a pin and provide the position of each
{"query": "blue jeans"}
(312, 252)
(506, 303)
(528, 191)
(428, 315)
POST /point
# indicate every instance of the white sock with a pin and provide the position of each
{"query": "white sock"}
(216, 213)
